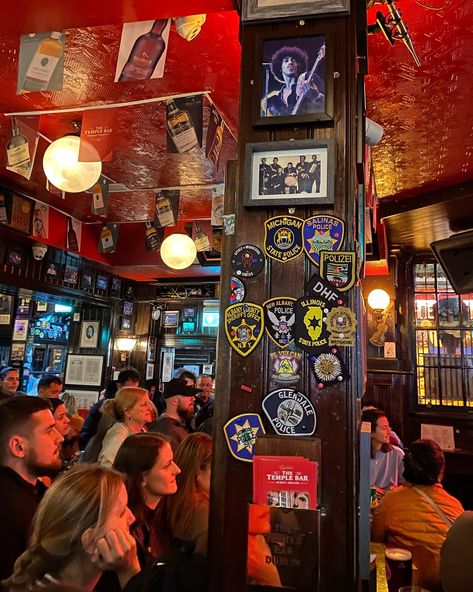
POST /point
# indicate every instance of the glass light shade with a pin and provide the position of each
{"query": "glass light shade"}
(378, 299)
(125, 344)
(62, 167)
(178, 251)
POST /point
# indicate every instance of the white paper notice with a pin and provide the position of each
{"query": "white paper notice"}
(85, 370)
(443, 435)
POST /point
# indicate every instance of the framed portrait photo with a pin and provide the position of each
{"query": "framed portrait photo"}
(170, 318)
(20, 330)
(89, 334)
(294, 79)
(125, 323)
(257, 10)
(289, 173)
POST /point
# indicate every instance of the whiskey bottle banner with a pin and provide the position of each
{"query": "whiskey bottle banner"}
(97, 131)
(41, 62)
(100, 197)
(214, 140)
(21, 148)
(184, 123)
(108, 238)
(166, 208)
(40, 227)
(74, 234)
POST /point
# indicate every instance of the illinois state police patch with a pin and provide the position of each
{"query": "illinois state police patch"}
(290, 412)
(283, 237)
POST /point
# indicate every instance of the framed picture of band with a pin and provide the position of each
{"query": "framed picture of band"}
(259, 10)
(289, 173)
(294, 78)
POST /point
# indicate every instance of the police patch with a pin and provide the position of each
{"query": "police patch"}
(279, 319)
(291, 413)
(247, 261)
(237, 290)
(244, 326)
(285, 366)
(339, 268)
(322, 233)
(310, 332)
(341, 324)
(319, 287)
(240, 434)
(328, 368)
(283, 237)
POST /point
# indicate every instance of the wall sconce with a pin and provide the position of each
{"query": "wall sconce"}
(125, 345)
(379, 301)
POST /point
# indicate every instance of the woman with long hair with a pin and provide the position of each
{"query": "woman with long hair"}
(9, 382)
(81, 528)
(150, 472)
(131, 410)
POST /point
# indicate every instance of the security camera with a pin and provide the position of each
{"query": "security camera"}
(373, 132)
(39, 251)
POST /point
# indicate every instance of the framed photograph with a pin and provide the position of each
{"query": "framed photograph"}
(149, 371)
(189, 312)
(116, 287)
(16, 257)
(170, 318)
(151, 349)
(84, 399)
(53, 270)
(17, 352)
(84, 370)
(125, 324)
(89, 334)
(87, 280)
(71, 275)
(101, 283)
(294, 80)
(20, 330)
(127, 308)
(41, 306)
(256, 10)
(23, 306)
(6, 303)
(289, 173)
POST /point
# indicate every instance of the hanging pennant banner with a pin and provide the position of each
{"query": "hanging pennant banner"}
(97, 131)
(54, 190)
(74, 234)
(217, 209)
(100, 197)
(214, 140)
(143, 49)
(108, 238)
(41, 62)
(22, 209)
(166, 207)
(40, 227)
(202, 235)
(184, 123)
(21, 148)
(153, 237)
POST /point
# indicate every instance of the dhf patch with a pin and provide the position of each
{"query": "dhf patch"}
(319, 287)
(341, 324)
(247, 261)
(237, 290)
(291, 413)
(285, 366)
(279, 319)
(283, 237)
(328, 368)
(244, 326)
(310, 332)
(339, 268)
(322, 233)
(240, 434)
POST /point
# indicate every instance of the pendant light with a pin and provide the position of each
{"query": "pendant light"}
(178, 250)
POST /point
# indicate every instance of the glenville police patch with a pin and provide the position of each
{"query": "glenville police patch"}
(310, 332)
(322, 233)
(279, 319)
(319, 287)
(237, 290)
(341, 324)
(328, 368)
(290, 412)
(283, 237)
(247, 261)
(339, 268)
(240, 434)
(285, 366)
(244, 326)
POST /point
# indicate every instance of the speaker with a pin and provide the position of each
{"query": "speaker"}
(455, 255)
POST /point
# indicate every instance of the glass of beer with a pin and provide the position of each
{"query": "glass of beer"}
(398, 568)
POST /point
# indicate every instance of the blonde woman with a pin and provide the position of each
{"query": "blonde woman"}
(132, 411)
(80, 529)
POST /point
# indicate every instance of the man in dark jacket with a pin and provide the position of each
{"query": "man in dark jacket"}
(29, 448)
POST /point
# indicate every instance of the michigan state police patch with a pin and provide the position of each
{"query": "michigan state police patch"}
(283, 237)
(290, 412)
(322, 233)
(240, 434)
(244, 325)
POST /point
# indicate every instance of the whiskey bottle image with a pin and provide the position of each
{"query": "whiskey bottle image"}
(145, 54)
(98, 204)
(180, 127)
(18, 152)
(214, 152)
(43, 64)
(72, 241)
(201, 240)
(164, 213)
(152, 237)
(106, 240)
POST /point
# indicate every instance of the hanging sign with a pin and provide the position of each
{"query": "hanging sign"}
(40, 227)
(322, 233)
(22, 146)
(240, 433)
(279, 320)
(339, 268)
(166, 207)
(184, 123)
(108, 238)
(100, 197)
(217, 209)
(291, 413)
(244, 326)
(22, 209)
(97, 131)
(154, 237)
(74, 234)
(283, 237)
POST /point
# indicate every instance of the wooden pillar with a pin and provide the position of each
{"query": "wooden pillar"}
(335, 406)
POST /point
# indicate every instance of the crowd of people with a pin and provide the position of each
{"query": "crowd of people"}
(118, 503)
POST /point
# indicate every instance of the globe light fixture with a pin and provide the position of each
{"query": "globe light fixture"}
(62, 167)
(178, 251)
(378, 300)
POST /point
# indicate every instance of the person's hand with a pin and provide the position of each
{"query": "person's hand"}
(115, 551)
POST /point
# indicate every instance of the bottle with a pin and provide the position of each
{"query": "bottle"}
(145, 54)
(18, 152)
(164, 212)
(106, 240)
(72, 242)
(152, 237)
(214, 152)
(201, 240)
(43, 63)
(98, 204)
(180, 127)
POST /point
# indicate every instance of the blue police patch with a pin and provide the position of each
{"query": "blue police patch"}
(283, 237)
(322, 233)
(237, 290)
(240, 434)
(290, 412)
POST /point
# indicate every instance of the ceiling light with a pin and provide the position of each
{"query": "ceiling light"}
(62, 167)
(378, 300)
(178, 251)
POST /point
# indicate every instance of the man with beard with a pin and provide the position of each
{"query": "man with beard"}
(29, 448)
(175, 421)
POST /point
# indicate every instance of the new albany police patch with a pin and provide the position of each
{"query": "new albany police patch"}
(290, 412)
(322, 233)
(339, 268)
(244, 325)
(279, 319)
(283, 237)
(240, 434)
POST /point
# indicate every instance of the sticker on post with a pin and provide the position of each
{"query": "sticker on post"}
(290, 412)
(244, 326)
(237, 290)
(241, 432)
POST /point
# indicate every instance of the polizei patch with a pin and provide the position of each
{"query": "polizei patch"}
(279, 320)
(322, 233)
(283, 237)
(339, 268)
(244, 325)
(290, 412)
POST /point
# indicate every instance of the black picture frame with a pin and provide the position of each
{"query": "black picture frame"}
(254, 10)
(128, 308)
(71, 275)
(318, 50)
(101, 282)
(16, 257)
(287, 190)
(116, 287)
(126, 323)
(87, 280)
(53, 270)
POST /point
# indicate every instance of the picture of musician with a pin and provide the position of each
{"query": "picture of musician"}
(314, 173)
(282, 177)
(264, 173)
(303, 177)
(292, 85)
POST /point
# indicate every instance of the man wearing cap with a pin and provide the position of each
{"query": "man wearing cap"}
(175, 421)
